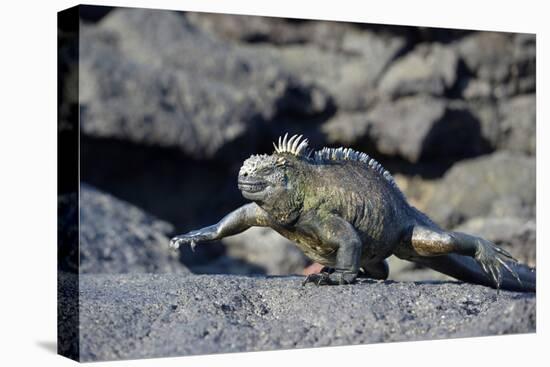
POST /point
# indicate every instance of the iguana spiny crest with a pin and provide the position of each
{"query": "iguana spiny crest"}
(299, 148)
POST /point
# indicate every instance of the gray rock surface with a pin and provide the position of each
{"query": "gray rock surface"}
(505, 60)
(428, 69)
(518, 124)
(348, 75)
(68, 341)
(486, 111)
(475, 89)
(347, 39)
(508, 124)
(244, 28)
(402, 127)
(152, 78)
(500, 184)
(347, 128)
(272, 30)
(117, 237)
(67, 232)
(146, 315)
(342, 58)
(413, 128)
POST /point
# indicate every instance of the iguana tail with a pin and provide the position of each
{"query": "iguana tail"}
(468, 270)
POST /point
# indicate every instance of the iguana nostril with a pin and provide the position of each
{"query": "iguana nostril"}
(245, 174)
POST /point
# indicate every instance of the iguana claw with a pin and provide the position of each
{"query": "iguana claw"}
(322, 278)
(492, 260)
(331, 278)
(190, 238)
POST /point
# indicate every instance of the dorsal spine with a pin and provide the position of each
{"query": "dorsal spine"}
(347, 154)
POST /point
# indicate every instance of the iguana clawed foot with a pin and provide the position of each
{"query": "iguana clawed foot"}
(322, 278)
(492, 260)
(191, 238)
(331, 277)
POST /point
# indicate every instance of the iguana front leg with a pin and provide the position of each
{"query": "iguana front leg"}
(237, 221)
(338, 233)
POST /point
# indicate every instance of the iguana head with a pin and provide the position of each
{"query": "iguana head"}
(273, 180)
(262, 177)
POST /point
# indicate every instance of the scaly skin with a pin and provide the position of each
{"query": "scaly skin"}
(344, 211)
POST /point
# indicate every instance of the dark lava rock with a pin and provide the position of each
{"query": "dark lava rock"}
(428, 69)
(341, 37)
(247, 28)
(486, 112)
(516, 235)
(518, 124)
(68, 341)
(501, 184)
(147, 315)
(415, 128)
(117, 237)
(67, 232)
(347, 128)
(151, 77)
(506, 61)
(272, 30)
(476, 89)
(402, 127)
(349, 73)
(507, 124)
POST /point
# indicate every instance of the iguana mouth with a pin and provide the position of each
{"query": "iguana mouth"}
(251, 186)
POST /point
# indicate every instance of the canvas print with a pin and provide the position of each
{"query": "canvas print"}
(234, 183)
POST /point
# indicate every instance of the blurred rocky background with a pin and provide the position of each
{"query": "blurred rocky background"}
(171, 103)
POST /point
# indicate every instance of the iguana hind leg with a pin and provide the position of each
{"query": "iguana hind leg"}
(428, 242)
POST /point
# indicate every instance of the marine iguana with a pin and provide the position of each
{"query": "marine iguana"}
(345, 211)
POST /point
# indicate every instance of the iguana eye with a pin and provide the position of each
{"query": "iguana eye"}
(265, 170)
